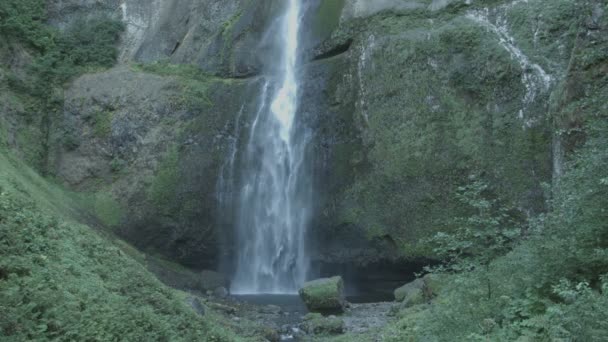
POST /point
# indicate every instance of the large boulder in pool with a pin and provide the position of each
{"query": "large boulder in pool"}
(324, 295)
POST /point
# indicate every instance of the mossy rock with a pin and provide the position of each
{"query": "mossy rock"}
(411, 294)
(433, 283)
(324, 295)
(317, 324)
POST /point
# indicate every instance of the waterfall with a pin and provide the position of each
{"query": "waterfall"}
(534, 78)
(274, 201)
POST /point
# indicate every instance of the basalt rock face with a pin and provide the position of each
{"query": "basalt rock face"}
(147, 139)
(151, 150)
(219, 36)
(415, 97)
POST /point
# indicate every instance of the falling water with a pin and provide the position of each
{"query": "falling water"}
(534, 78)
(275, 196)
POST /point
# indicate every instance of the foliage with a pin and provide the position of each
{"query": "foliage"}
(487, 233)
(58, 55)
(447, 113)
(59, 280)
(193, 81)
(163, 188)
(50, 58)
(24, 20)
(550, 286)
(84, 45)
(91, 42)
(103, 123)
(107, 209)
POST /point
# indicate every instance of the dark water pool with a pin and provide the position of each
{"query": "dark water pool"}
(293, 303)
(289, 303)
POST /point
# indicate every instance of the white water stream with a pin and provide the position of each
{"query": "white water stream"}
(275, 197)
(534, 78)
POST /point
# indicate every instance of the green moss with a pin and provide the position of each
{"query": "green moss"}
(53, 58)
(228, 27)
(170, 265)
(30, 144)
(3, 134)
(163, 188)
(554, 33)
(108, 209)
(441, 102)
(411, 293)
(195, 94)
(103, 123)
(60, 280)
(194, 82)
(323, 294)
(131, 251)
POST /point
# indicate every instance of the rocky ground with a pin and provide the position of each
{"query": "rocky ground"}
(361, 318)
(290, 321)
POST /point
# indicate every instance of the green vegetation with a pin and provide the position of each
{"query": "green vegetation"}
(323, 294)
(228, 27)
(551, 285)
(53, 58)
(555, 32)
(164, 185)
(194, 82)
(58, 56)
(62, 280)
(511, 276)
(425, 139)
(440, 163)
(59, 279)
(103, 123)
(474, 240)
(24, 20)
(107, 209)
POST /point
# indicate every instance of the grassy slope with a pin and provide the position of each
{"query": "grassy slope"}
(60, 279)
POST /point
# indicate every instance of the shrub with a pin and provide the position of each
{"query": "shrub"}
(24, 20)
(475, 240)
(61, 281)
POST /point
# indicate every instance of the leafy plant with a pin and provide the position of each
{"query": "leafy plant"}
(24, 20)
(490, 231)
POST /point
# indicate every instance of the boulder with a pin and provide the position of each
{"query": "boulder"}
(324, 295)
(196, 305)
(411, 293)
(316, 324)
(432, 285)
